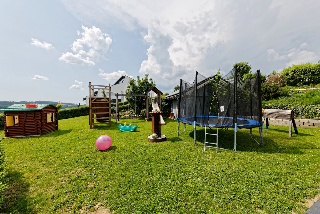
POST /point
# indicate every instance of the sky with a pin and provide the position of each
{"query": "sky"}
(51, 50)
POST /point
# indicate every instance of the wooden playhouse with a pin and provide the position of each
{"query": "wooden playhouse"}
(30, 119)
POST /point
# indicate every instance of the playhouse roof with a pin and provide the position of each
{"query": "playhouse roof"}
(154, 89)
(22, 107)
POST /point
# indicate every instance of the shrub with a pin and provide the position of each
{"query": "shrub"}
(273, 91)
(2, 174)
(300, 111)
(73, 112)
(304, 74)
(276, 79)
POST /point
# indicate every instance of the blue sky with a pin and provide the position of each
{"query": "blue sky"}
(51, 50)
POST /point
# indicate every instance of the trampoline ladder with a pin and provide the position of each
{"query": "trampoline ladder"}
(210, 144)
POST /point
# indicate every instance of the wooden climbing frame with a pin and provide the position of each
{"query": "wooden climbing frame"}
(99, 107)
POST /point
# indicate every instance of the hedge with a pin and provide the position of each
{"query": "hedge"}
(2, 174)
(73, 112)
(304, 74)
(119, 103)
(300, 111)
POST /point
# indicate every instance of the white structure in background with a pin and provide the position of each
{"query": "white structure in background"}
(173, 99)
(119, 87)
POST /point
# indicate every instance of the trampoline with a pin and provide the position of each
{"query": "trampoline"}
(221, 122)
(221, 102)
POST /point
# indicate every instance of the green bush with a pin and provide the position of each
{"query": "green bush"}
(2, 174)
(304, 74)
(273, 91)
(120, 104)
(300, 111)
(73, 112)
(122, 107)
(1, 121)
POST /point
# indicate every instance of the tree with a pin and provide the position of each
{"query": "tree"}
(243, 70)
(176, 88)
(141, 86)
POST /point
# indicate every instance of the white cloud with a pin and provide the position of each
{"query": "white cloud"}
(39, 44)
(78, 85)
(295, 56)
(185, 36)
(91, 38)
(75, 59)
(112, 76)
(38, 77)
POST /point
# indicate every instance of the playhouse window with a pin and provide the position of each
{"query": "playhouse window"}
(50, 117)
(12, 120)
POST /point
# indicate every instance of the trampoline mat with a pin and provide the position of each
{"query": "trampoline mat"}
(220, 122)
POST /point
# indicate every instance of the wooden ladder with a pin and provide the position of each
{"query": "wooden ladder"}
(99, 107)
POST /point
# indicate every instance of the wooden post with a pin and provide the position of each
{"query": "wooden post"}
(147, 106)
(294, 123)
(90, 110)
(294, 126)
(156, 126)
(290, 128)
(117, 103)
(109, 105)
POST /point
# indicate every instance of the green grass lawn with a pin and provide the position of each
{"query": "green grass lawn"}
(64, 172)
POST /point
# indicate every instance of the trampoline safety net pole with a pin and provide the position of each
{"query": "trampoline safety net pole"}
(179, 113)
(260, 106)
(235, 108)
(195, 108)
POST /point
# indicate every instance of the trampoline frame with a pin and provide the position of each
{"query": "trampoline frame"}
(251, 123)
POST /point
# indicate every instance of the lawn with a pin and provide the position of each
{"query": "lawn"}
(64, 172)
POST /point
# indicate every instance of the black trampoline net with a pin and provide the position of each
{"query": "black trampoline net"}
(215, 96)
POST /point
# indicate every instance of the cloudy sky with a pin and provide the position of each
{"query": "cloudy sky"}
(51, 50)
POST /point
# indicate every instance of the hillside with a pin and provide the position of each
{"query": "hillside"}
(6, 104)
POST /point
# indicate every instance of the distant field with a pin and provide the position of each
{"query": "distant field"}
(63, 172)
(6, 104)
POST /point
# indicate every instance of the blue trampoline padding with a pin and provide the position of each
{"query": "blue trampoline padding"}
(213, 122)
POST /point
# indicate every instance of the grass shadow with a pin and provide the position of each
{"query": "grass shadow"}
(283, 131)
(111, 148)
(247, 144)
(174, 139)
(15, 198)
(57, 133)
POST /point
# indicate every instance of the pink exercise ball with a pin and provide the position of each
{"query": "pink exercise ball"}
(103, 142)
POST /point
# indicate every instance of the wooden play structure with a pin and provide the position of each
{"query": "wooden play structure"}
(99, 107)
(117, 102)
(22, 120)
(281, 114)
(149, 100)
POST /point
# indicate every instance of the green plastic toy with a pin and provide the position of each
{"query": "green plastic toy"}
(125, 128)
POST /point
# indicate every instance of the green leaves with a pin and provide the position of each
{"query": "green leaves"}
(141, 86)
(73, 112)
(304, 74)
